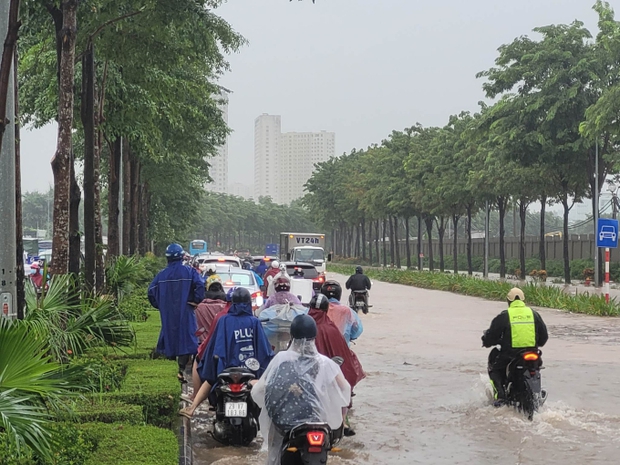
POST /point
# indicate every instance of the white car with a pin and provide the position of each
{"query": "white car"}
(204, 260)
(607, 232)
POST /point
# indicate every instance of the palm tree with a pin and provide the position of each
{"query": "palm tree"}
(28, 379)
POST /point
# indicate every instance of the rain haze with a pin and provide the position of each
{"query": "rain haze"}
(359, 68)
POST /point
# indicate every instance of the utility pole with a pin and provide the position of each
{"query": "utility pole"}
(8, 240)
(596, 214)
(486, 239)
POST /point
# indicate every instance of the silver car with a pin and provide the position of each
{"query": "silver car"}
(204, 259)
(237, 277)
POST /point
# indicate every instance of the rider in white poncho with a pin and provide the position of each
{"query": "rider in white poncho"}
(299, 386)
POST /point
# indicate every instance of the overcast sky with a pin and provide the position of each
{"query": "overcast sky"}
(360, 68)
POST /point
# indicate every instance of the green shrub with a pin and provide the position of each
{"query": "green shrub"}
(100, 374)
(72, 446)
(153, 385)
(105, 410)
(147, 335)
(135, 306)
(120, 444)
(151, 265)
(536, 295)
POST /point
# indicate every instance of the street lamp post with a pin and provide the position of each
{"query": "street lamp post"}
(8, 239)
(612, 188)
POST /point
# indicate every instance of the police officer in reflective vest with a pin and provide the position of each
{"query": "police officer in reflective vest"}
(516, 329)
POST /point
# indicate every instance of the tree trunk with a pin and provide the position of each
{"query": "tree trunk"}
(99, 262)
(397, 243)
(135, 205)
(470, 266)
(455, 242)
(441, 229)
(522, 217)
(364, 239)
(126, 179)
(357, 241)
(377, 254)
(370, 247)
(19, 233)
(501, 206)
(113, 198)
(420, 259)
(384, 244)
(8, 57)
(75, 251)
(88, 123)
(407, 243)
(567, 279)
(392, 255)
(429, 232)
(142, 236)
(62, 161)
(542, 250)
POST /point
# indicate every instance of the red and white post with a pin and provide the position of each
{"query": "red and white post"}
(607, 274)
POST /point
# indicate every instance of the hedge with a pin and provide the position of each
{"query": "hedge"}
(121, 444)
(106, 410)
(536, 294)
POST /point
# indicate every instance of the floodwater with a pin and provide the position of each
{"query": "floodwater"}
(426, 399)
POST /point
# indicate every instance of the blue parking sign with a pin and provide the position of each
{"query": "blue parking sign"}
(607, 233)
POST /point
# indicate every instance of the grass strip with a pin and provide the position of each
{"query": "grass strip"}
(536, 294)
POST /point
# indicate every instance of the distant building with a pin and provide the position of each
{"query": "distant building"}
(219, 163)
(241, 190)
(267, 131)
(283, 162)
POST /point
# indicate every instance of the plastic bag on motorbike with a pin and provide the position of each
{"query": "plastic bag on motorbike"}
(276, 322)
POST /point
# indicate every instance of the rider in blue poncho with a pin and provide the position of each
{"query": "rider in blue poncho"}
(171, 292)
(237, 340)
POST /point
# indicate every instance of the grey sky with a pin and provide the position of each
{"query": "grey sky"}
(360, 68)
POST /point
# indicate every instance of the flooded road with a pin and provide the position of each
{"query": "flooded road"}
(426, 397)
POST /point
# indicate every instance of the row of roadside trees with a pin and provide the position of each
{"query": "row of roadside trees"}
(556, 107)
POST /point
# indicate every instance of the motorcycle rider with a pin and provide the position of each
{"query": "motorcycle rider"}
(215, 288)
(282, 287)
(237, 340)
(299, 386)
(345, 318)
(214, 303)
(358, 282)
(172, 292)
(516, 329)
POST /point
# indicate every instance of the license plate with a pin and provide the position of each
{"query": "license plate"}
(236, 409)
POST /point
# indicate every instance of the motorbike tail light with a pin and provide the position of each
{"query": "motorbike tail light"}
(235, 387)
(314, 449)
(315, 438)
(530, 356)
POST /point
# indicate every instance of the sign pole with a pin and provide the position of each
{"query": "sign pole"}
(607, 274)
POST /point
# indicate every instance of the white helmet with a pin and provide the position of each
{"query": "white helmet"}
(283, 268)
(275, 264)
(211, 268)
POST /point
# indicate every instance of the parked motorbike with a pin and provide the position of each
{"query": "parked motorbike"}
(523, 383)
(358, 300)
(236, 414)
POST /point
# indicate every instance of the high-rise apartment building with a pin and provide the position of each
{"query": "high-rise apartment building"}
(241, 190)
(219, 163)
(283, 162)
(267, 130)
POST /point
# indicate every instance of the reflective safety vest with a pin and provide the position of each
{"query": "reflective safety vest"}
(522, 325)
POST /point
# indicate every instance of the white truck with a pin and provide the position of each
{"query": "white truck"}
(303, 247)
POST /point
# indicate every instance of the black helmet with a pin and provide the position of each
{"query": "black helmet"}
(319, 301)
(303, 327)
(358, 269)
(331, 289)
(282, 283)
(241, 296)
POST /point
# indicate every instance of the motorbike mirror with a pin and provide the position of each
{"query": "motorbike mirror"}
(338, 360)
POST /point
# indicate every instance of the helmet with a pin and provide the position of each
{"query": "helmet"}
(35, 265)
(298, 272)
(515, 293)
(214, 280)
(275, 264)
(331, 289)
(241, 296)
(282, 267)
(358, 269)
(303, 327)
(319, 301)
(282, 283)
(211, 268)
(174, 252)
(247, 265)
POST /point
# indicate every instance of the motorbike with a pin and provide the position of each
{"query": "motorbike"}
(358, 300)
(523, 382)
(236, 414)
(309, 443)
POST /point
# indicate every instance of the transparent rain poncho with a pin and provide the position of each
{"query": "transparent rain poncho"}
(299, 386)
(277, 321)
